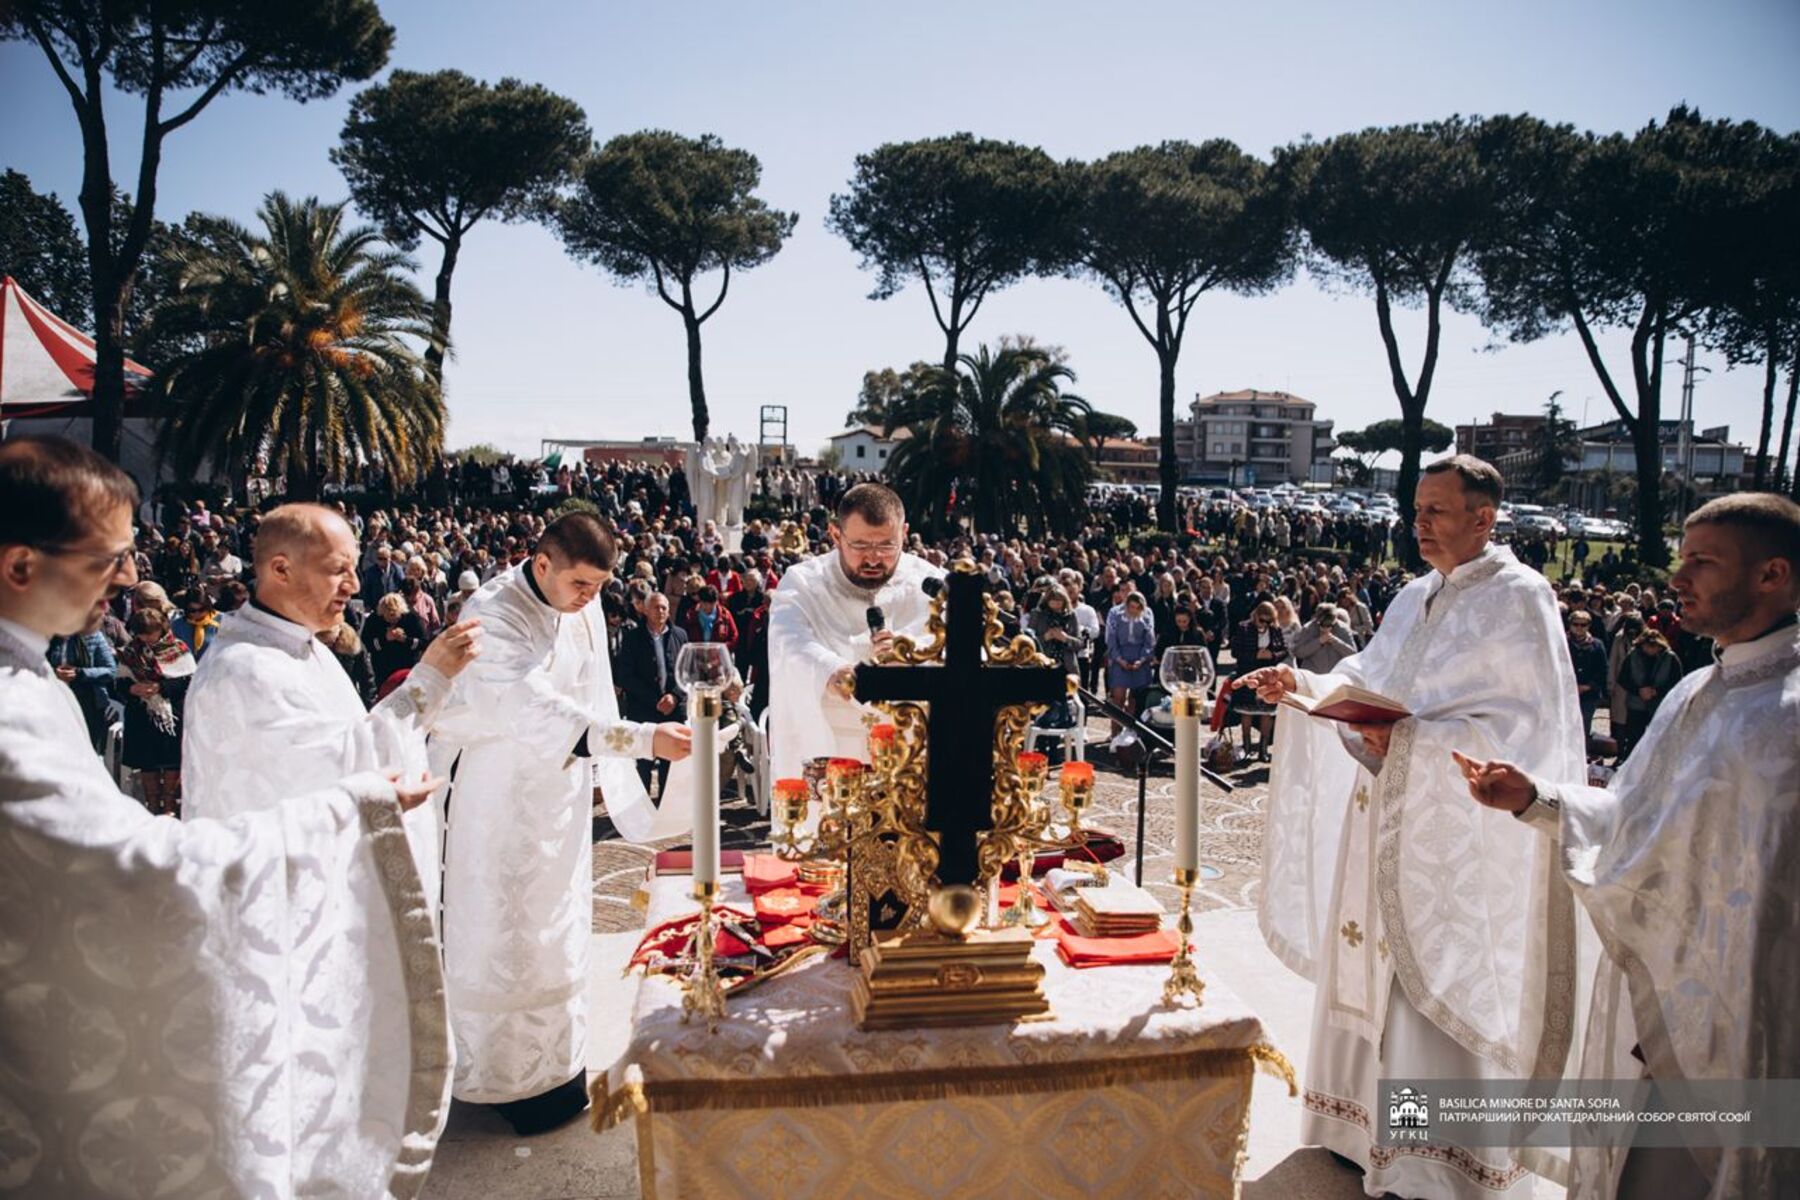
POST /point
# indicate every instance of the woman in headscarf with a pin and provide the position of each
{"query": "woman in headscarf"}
(155, 668)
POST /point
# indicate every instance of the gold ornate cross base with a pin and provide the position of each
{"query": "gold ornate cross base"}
(1184, 979)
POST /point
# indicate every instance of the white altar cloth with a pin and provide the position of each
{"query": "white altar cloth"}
(1112, 1095)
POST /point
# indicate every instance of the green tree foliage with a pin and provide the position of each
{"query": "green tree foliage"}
(965, 216)
(304, 361)
(1554, 444)
(1159, 227)
(435, 154)
(1753, 311)
(667, 209)
(179, 57)
(1095, 427)
(996, 441)
(40, 249)
(1617, 232)
(1388, 437)
(882, 390)
(1396, 212)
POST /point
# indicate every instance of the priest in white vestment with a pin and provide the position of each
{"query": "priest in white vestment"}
(520, 728)
(1687, 860)
(1440, 937)
(271, 712)
(250, 1007)
(820, 628)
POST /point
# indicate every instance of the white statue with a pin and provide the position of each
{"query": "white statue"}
(719, 477)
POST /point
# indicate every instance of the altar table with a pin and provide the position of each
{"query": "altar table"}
(1112, 1094)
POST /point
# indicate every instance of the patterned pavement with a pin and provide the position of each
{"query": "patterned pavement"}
(1230, 839)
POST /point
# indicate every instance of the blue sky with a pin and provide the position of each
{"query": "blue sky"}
(548, 347)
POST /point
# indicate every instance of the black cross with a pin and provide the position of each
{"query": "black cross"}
(964, 698)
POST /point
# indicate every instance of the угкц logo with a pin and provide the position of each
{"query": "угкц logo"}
(1409, 1113)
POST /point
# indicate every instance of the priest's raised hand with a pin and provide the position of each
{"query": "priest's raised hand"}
(453, 649)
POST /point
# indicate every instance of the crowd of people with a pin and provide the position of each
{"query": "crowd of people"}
(1253, 587)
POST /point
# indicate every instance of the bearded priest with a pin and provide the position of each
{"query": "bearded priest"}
(272, 712)
(520, 728)
(251, 1007)
(1440, 936)
(831, 613)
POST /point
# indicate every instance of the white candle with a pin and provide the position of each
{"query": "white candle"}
(1187, 788)
(706, 787)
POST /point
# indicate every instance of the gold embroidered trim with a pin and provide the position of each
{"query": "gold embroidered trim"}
(637, 1097)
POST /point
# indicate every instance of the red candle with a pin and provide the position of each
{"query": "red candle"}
(1078, 772)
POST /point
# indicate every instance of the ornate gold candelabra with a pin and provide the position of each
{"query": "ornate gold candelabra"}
(1184, 979)
(1034, 771)
(704, 993)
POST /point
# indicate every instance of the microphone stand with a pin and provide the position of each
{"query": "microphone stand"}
(1153, 742)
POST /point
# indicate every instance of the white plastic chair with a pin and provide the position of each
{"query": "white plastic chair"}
(1073, 738)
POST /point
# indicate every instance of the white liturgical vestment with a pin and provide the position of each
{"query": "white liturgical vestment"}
(271, 713)
(818, 622)
(518, 861)
(251, 1007)
(1379, 871)
(1686, 862)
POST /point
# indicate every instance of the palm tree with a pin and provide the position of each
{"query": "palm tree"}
(300, 358)
(996, 440)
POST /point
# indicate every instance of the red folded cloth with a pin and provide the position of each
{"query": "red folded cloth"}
(766, 872)
(1078, 951)
(785, 906)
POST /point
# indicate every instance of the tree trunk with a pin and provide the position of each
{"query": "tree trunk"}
(440, 312)
(1653, 546)
(1787, 426)
(1168, 470)
(105, 281)
(696, 384)
(1788, 421)
(1770, 370)
(1412, 449)
(952, 344)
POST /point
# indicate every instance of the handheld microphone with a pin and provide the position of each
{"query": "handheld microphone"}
(877, 619)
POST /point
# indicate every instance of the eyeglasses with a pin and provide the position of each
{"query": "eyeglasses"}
(115, 559)
(874, 549)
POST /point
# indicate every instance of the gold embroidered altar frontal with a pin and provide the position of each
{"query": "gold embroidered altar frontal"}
(1112, 1094)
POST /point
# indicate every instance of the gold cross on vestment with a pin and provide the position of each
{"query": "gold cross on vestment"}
(1352, 934)
(1362, 799)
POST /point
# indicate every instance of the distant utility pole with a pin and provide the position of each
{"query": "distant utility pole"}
(1684, 453)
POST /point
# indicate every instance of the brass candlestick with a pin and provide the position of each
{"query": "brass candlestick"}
(704, 993)
(790, 803)
(1184, 979)
(1034, 769)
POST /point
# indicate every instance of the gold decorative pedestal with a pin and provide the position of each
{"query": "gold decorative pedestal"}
(1184, 977)
(949, 976)
(703, 992)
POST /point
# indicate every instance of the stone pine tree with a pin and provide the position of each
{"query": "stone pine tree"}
(179, 57)
(1397, 212)
(665, 209)
(433, 155)
(41, 250)
(1617, 232)
(1754, 315)
(1159, 227)
(962, 215)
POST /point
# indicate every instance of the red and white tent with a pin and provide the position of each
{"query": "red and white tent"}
(47, 384)
(46, 364)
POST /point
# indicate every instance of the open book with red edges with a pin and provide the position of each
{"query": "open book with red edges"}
(1351, 705)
